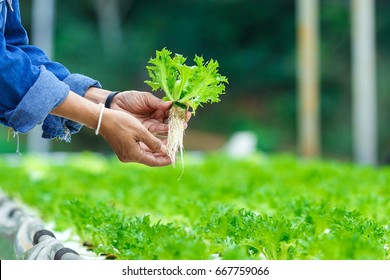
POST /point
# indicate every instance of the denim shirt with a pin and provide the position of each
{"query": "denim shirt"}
(31, 85)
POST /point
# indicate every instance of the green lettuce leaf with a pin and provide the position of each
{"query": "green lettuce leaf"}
(189, 85)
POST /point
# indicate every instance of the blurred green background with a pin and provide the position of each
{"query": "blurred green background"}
(254, 42)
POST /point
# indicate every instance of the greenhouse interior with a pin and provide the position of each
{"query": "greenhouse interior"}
(286, 158)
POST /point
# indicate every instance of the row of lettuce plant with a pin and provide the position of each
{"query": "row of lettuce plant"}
(264, 206)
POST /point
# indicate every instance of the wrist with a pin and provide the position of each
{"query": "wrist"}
(97, 95)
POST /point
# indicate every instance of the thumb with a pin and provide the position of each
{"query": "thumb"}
(156, 103)
(164, 105)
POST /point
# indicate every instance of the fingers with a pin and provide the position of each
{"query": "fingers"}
(154, 159)
(152, 142)
(155, 103)
(159, 125)
(156, 127)
(142, 153)
(188, 116)
(155, 152)
(125, 134)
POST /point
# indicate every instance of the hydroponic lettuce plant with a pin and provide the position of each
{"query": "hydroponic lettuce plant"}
(187, 87)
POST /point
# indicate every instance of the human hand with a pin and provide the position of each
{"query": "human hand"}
(131, 141)
(128, 138)
(151, 111)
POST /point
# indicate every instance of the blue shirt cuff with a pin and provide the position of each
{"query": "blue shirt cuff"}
(80, 84)
(61, 128)
(46, 93)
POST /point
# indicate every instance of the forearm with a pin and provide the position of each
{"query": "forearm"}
(78, 109)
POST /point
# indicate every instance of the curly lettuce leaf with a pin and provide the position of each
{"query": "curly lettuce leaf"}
(189, 85)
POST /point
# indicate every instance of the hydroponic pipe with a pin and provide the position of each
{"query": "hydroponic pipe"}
(47, 247)
(30, 240)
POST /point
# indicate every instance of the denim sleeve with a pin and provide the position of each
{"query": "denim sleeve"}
(15, 34)
(28, 92)
(46, 93)
(31, 85)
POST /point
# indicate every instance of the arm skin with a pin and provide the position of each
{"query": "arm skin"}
(151, 111)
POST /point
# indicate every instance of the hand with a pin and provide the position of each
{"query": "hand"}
(131, 141)
(128, 138)
(151, 111)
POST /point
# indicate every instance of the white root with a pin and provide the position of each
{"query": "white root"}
(176, 120)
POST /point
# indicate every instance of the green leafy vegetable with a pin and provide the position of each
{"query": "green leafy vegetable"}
(262, 207)
(186, 86)
(189, 85)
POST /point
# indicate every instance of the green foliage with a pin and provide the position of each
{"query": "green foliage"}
(261, 207)
(259, 235)
(132, 237)
(189, 85)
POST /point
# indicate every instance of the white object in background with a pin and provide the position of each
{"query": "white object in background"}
(364, 97)
(242, 144)
(308, 78)
(42, 34)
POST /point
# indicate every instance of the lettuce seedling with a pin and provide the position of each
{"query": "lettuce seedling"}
(187, 87)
